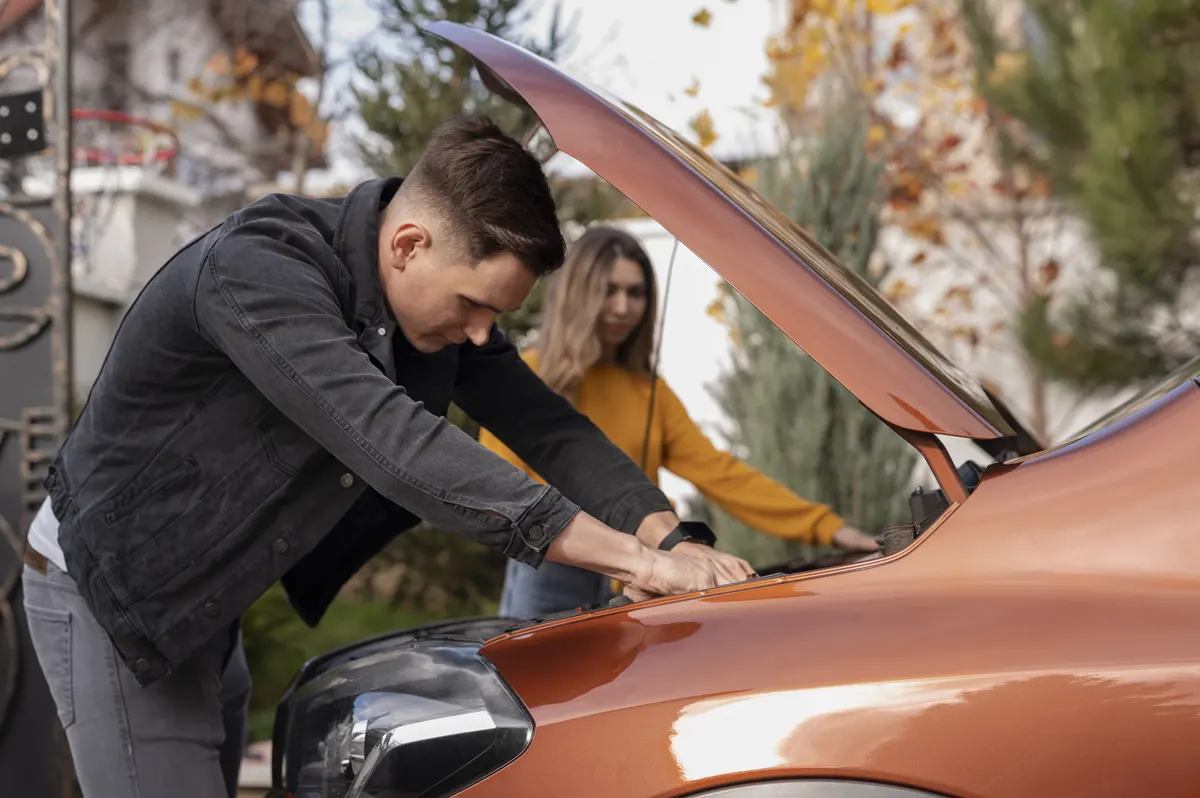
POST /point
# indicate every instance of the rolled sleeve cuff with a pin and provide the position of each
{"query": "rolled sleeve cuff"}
(827, 527)
(533, 533)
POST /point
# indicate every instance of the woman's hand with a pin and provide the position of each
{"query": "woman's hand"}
(685, 569)
(850, 539)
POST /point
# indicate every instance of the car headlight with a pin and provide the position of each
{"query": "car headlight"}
(423, 719)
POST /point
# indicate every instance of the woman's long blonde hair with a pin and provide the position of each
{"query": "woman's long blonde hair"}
(567, 342)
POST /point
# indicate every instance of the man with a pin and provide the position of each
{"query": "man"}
(271, 409)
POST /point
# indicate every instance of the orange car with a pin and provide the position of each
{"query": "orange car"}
(1035, 632)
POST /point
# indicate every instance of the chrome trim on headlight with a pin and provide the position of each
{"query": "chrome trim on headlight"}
(421, 718)
(463, 723)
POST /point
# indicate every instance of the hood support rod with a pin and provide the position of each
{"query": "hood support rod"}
(939, 460)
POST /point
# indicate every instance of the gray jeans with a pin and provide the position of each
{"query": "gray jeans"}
(184, 732)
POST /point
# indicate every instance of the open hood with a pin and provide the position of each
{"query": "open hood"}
(827, 310)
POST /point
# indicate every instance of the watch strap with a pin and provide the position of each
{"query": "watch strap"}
(691, 531)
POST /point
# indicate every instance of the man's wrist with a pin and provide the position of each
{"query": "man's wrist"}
(655, 527)
(588, 543)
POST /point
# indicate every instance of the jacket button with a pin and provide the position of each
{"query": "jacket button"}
(280, 546)
(212, 608)
(347, 480)
(142, 666)
(382, 331)
(537, 531)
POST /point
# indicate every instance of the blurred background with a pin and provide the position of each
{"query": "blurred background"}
(1019, 178)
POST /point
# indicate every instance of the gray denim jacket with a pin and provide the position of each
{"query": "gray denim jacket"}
(253, 422)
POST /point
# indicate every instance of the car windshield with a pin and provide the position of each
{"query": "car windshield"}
(1188, 371)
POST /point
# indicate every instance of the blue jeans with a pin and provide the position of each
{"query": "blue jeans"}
(554, 587)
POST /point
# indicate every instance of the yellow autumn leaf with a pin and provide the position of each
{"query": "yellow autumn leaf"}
(703, 18)
(185, 112)
(887, 6)
(244, 63)
(219, 64)
(716, 309)
(875, 134)
(301, 111)
(702, 125)
(255, 87)
(693, 89)
(1005, 67)
(748, 174)
(276, 94)
(898, 291)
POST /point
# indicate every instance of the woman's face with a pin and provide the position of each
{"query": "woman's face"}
(624, 303)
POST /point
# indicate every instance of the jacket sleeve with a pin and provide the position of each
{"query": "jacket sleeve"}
(263, 300)
(540, 428)
(737, 487)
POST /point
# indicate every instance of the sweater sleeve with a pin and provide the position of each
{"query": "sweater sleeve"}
(738, 488)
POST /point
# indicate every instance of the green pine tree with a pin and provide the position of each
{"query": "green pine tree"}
(411, 83)
(1108, 95)
(790, 418)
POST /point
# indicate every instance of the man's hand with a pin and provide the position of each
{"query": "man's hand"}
(685, 569)
(647, 572)
(851, 539)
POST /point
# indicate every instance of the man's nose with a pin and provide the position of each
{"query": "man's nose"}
(478, 332)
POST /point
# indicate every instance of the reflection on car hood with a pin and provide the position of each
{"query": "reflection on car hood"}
(825, 308)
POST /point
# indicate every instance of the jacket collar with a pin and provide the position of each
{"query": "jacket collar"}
(357, 244)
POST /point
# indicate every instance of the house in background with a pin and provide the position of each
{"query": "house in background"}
(159, 60)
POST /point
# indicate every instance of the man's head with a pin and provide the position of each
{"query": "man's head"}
(466, 236)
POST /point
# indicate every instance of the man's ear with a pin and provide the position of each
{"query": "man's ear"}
(407, 241)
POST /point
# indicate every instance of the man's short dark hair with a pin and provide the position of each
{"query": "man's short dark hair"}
(491, 192)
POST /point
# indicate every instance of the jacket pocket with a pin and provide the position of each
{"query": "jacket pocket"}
(135, 496)
(287, 446)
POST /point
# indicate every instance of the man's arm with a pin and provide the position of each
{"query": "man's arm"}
(263, 300)
(499, 390)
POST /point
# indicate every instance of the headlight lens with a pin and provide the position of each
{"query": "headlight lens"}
(424, 719)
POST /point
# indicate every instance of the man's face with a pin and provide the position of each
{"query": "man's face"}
(436, 296)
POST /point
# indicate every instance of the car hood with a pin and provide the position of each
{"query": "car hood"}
(826, 309)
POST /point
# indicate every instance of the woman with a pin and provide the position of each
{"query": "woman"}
(594, 347)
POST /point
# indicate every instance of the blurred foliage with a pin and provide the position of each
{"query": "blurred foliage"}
(277, 642)
(1110, 93)
(790, 418)
(411, 83)
(986, 248)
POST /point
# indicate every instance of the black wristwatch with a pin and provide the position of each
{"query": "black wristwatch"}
(692, 532)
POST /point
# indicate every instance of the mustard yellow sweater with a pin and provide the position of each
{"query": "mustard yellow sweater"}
(615, 400)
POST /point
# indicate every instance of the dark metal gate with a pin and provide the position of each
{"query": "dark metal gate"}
(35, 390)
